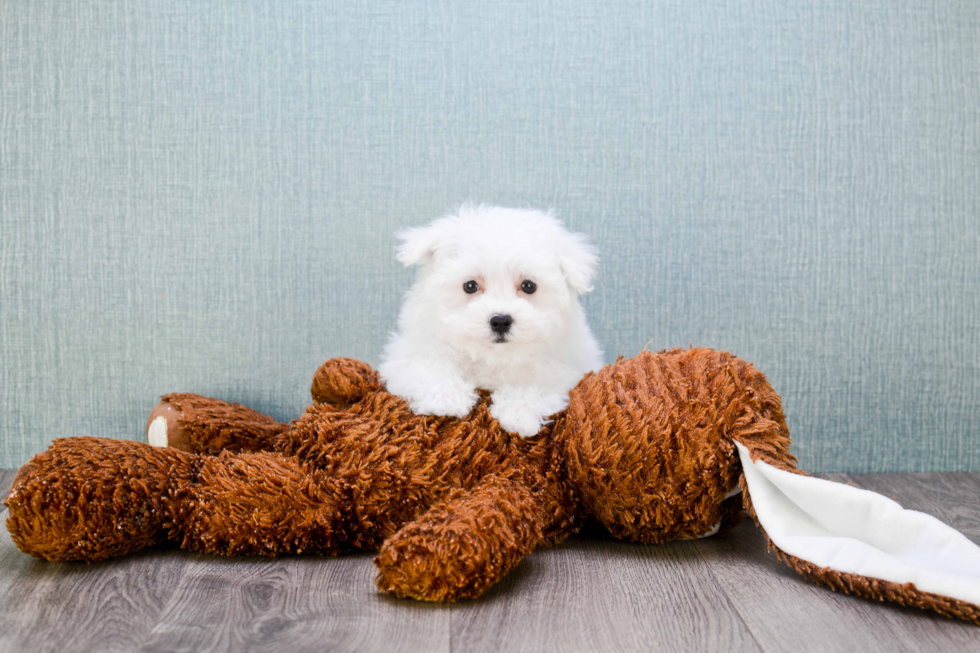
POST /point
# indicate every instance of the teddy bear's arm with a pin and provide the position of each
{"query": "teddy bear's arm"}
(462, 545)
(196, 424)
(343, 382)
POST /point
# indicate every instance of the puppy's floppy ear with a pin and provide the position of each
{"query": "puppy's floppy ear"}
(578, 260)
(418, 245)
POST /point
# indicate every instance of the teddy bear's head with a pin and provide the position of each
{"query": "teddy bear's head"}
(645, 447)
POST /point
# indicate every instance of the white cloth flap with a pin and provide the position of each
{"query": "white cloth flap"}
(861, 532)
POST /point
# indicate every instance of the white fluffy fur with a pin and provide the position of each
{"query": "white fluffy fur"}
(445, 349)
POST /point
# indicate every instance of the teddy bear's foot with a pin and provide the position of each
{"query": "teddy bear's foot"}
(462, 546)
(163, 429)
(196, 424)
(94, 498)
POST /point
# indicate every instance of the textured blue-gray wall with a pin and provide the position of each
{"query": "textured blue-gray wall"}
(200, 196)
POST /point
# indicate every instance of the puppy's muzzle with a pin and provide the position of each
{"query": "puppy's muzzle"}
(500, 325)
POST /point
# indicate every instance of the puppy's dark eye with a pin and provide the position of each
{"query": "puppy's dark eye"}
(470, 287)
(529, 286)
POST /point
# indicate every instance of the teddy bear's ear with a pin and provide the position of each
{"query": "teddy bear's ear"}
(419, 245)
(578, 260)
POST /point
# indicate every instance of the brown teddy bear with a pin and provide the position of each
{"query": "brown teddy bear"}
(654, 448)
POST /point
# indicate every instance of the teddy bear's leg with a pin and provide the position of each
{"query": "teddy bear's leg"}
(260, 503)
(94, 498)
(462, 545)
(197, 424)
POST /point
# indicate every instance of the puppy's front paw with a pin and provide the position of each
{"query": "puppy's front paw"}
(522, 422)
(525, 415)
(447, 399)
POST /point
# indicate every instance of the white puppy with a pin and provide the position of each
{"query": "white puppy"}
(494, 306)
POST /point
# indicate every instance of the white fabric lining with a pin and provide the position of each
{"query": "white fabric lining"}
(861, 532)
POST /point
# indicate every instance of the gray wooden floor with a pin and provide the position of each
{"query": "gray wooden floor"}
(590, 594)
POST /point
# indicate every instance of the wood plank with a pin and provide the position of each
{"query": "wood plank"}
(65, 607)
(592, 593)
(599, 594)
(293, 604)
(786, 612)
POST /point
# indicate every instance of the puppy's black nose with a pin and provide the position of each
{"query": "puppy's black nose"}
(501, 324)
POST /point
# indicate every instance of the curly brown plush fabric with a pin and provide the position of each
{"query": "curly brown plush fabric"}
(645, 449)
